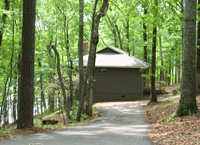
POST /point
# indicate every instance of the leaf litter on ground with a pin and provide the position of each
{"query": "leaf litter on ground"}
(172, 131)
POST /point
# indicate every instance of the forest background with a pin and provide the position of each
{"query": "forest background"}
(128, 25)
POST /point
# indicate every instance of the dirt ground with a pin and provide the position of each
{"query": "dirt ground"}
(172, 131)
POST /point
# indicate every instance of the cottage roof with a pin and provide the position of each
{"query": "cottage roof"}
(109, 56)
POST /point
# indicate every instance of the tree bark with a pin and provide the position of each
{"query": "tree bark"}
(89, 77)
(128, 36)
(198, 52)
(80, 56)
(111, 24)
(50, 93)
(187, 103)
(153, 64)
(145, 36)
(25, 115)
(179, 62)
(70, 67)
(43, 103)
(119, 37)
(161, 58)
(66, 102)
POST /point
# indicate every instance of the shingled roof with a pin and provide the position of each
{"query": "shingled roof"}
(109, 56)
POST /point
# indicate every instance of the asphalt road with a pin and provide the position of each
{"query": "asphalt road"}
(119, 123)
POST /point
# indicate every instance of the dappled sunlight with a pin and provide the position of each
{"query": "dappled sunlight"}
(44, 136)
(118, 123)
(96, 132)
(124, 119)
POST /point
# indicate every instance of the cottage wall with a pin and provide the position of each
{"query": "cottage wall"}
(117, 84)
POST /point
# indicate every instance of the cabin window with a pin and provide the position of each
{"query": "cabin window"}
(102, 71)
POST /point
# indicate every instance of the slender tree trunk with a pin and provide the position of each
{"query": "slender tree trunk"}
(70, 67)
(3, 102)
(161, 59)
(19, 66)
(51, 77)
(59, 100)
(66, 103)
(179, 62)
(14, 108)
(113, 29)
(25, 115)
(15, 101)
(92, 55)
(153, 64)
(42, 92)
(119, 37)
(169, 74)
(187, 103)
(80, 56)
(145, 37)
(172, 77)
(128, 36)
(153, 68)
(52, 99)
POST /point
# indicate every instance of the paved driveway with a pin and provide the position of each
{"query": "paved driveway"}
(119, 123)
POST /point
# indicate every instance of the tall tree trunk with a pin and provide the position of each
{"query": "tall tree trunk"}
(92, 56)
(43, 102)
(66, 102)
(50, 93)
(119, 36)
(14, 108)
(161, 58)
(19, 66)
(128, 36)
(187, 103)
(198, 52)
(145, 37)
(70, 67)
(3, 102)
(169, 74)
(89, 77)
(15, 101)
(25, 115)
(70, 64)
(153, 64)
(179, 62)
(80, 56)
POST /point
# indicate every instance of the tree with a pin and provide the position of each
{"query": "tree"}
(153, 64)
(89, 76)
(187, 103)
(66, 101)
(144, 5)
(80, 56)
(198, 51)
(25, 114)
